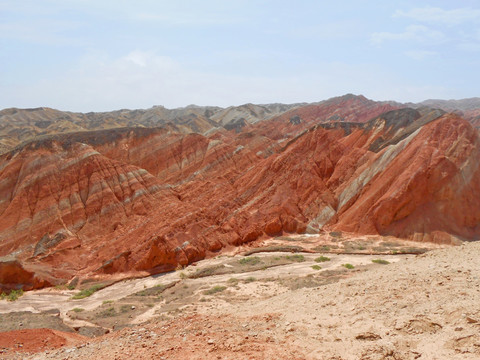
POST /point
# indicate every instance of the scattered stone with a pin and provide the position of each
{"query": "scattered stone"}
(471, 320)
(368, 336)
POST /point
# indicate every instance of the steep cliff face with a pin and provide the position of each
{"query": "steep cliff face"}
(132, 201)
(421, 188)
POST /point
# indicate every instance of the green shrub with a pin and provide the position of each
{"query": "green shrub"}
(214, 290)
(348, 266)
(336, 234)
(250, 279)
(87, 292)
(381, 261)
(77, 310)
(316, 267)
(322, 259)
(296, 258)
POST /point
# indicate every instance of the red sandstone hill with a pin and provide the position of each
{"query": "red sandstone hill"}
(130, 201)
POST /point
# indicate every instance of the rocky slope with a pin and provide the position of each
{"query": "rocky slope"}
(132, 201)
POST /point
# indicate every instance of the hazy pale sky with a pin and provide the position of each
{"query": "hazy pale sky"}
(97, 55)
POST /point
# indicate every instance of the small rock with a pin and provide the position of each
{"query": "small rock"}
(210, 342)
(369, 336)
(459, 328)
(471, 320)
(133, 307)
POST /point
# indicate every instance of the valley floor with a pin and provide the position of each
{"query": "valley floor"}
(272, 305)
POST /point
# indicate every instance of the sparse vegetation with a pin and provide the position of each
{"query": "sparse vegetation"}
(125, 308)
(316, 267)
(208, 271)
(414, 250)
(353, 246)
(348, 266)
(275, 248)
(249, 260)
(12, 295)
(390, 244)
(87, 292)
(250, 279)
(322, 259)
(233, 281)
(296, 258)
(107, 302)
(336, 234)
(381, 261)
(77, 310)
(214, 290)
(108, 312)
(326, 248)
(65, 286)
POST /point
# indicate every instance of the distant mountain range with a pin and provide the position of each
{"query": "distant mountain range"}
(19, 125)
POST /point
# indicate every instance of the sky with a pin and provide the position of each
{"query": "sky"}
(101, 55)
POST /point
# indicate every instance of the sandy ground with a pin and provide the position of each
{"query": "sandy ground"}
(417, 307)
